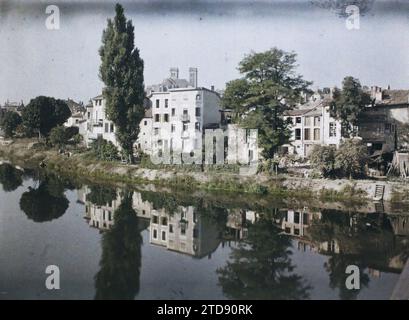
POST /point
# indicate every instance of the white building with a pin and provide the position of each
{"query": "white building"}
(97, 123)
(179, 118)
(312, 124)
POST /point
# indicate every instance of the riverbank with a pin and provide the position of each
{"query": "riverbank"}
(27, 153)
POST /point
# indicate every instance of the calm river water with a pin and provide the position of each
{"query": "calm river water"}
(113, 243)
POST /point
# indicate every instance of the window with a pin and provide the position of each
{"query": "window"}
(185, 127)
(163, 236)
(388, 127)
(164, 221)
(155, 233)
(112, 127)
(157, 119)
(173, 128)
(166, 117)
(197, 126)
(298, 120)
(297, 134)
(166, 103)
(317, 121)
(156, 131)
(197, 113)
(183, 229)
(307, 134)
(307, 121)
(316, 134)
(332, 129)
(89, 115)
(155, 219)
(296, 217)
(171, 228)
(145, 123)
(296, 231)
(195, 233)
(290, 120)
(198, 97)
(305, 219)
(173, 112)
(106, 127)
(185, 112)
(157, 103)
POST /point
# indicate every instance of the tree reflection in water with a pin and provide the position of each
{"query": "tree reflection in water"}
(261, 268)
(47, 201)
(10, 177)
(118, 277)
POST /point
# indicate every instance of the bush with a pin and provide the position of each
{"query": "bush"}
(58, 136)
(323, 159)
(351, 158)
(104, 150)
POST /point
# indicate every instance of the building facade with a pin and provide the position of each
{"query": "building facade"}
(311, 125)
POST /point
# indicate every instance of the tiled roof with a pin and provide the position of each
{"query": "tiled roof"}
(393, 97)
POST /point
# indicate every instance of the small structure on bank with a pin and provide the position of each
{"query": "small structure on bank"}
(400, 165)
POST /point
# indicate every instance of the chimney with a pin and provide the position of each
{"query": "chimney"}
(193, 77)
(376, 93)
(174, 73)
(212, 88)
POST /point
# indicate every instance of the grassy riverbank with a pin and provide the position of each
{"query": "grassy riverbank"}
(27, 153)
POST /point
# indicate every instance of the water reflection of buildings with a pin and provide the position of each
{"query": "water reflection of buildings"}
(99, 216)
(180, 228)
(295, 222)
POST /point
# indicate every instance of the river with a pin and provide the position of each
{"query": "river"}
(142, 243)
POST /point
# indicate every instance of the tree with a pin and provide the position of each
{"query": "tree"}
(9, 123)
(323, 159)
(121, 71)
(348, 104)
(351, 158)
(44, 113)
(269, 86)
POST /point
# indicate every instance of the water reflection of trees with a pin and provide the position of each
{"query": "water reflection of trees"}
(118, 277)
(364, 240)
(261, 268)
(10, 177)
(47, 201)
(101, 195)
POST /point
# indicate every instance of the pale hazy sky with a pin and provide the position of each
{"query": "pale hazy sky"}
(211, 35)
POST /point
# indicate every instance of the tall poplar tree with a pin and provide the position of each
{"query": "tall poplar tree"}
(121, 71)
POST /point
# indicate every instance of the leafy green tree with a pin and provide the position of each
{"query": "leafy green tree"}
(323, 159)
(269, 86)
(10, 177)
(9, 122)
(44, 113)
(261, 268)
(351, 158)
(121, 71)
(348, 104)
(118, 277)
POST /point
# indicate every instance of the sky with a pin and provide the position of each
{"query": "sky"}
(208, 34)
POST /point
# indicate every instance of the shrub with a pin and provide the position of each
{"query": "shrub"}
(351, 158)
(104, 150)
(323, 159)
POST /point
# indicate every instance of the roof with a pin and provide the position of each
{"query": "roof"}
(98, 97)
(394, 97)
(296, 112)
